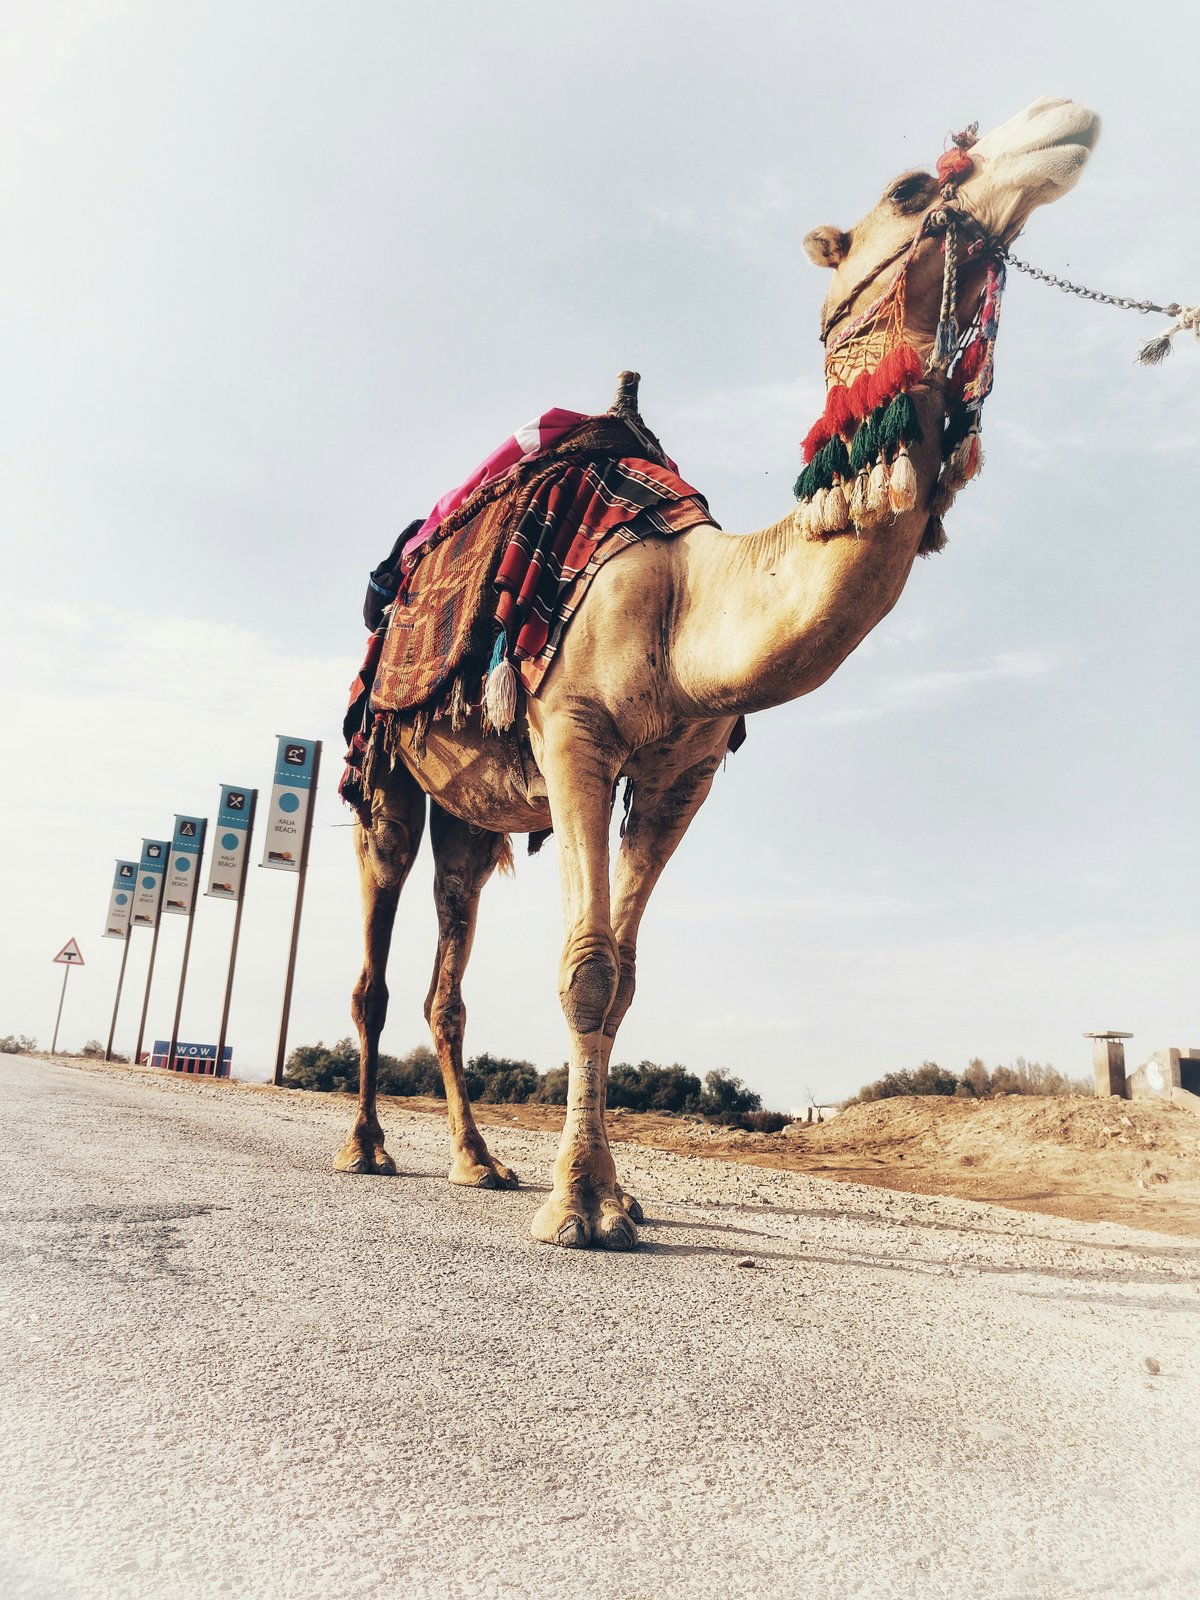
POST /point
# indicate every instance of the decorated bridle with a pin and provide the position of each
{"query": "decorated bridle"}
(857, 468)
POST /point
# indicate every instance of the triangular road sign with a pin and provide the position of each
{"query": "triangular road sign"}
(69, 955)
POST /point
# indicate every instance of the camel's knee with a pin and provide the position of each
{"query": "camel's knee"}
(447, 1018)
(588, 983)
(626, 986)
(369, 1006)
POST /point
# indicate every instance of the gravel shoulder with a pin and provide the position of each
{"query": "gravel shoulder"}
(228, 1371)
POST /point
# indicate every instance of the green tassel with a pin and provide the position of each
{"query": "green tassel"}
(806, 483)
(822, 468)
(862, 448)
(839, 456)
(899, 423)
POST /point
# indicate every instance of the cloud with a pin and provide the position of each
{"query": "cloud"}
(921, 691)
(723, 220)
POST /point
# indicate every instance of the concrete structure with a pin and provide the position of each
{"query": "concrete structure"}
(1168, 1075)
(1108, 1061)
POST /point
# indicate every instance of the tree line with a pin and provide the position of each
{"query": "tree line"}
(976, 1083)
(721, 1097)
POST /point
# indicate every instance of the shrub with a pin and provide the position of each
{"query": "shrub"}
(551, 1088)
(764, 1121)
(724, 1098)
(649, 1087)
(928, 1078)
(321, 1066)
(501, 1081)
(18, 1044)
(415, 1073)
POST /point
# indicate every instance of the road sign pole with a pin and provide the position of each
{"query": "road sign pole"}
(117, 1002)
(285, 1015)
(62, 995)
(233, 943)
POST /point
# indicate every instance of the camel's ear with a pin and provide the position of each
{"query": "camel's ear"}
(826, 247)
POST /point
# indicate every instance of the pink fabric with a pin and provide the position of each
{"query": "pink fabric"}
(537, 435)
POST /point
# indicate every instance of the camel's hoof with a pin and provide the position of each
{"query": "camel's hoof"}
(364, 1160)
(487, 1174)
(572, 1235)
(573, 1222)
(617, 1232)
(632, 1209)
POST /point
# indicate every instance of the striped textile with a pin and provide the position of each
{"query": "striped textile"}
(576, 520)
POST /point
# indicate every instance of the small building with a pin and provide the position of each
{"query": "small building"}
(1168, 1075)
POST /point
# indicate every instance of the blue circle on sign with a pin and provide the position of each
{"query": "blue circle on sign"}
(289, 802)
(122, 899)
(229, 841)
(148, 883)
(182, 864)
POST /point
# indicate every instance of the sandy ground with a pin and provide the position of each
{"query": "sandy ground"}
(1136, 1162)
(229, 1372)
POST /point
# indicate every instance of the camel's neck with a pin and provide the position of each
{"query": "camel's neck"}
(766, 617)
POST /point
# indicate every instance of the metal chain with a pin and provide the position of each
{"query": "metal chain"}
(1122, 302)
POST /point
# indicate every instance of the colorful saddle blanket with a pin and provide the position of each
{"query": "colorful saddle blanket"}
(503, 564)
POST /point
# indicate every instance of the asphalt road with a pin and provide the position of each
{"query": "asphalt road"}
(228, 1372)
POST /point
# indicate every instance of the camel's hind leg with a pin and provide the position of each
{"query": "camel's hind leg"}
(465, 859)
(386, 851)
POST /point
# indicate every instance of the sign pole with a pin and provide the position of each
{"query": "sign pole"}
(252, 796)
(117, 1002)
(137, 1049)
(189, 836)
(285, 1015)
(62, 995)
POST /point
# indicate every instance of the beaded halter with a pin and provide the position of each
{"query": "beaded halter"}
(857, 469)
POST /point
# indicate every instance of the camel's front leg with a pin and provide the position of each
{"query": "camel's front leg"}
(659, 816)
(586, 1205)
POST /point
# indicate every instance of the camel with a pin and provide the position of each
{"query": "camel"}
(674, 641)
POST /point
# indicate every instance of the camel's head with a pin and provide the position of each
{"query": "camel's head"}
(1027, 162)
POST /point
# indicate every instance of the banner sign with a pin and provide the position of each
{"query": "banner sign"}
(147, 897)
(200, 1058)
(290, 797)
(227, 864)
(187, 849)
(120, 902)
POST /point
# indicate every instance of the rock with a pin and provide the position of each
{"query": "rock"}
(747, 1261)
(1152, 1366)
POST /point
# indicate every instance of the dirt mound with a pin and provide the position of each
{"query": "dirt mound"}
(1005, 1128)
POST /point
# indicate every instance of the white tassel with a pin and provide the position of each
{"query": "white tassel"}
(902, 484)
(858, 500)
(500, 695)
(834, 511)
(816, 509)
(877, 491)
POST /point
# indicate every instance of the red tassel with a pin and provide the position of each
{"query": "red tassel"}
(817, 437)
(970, 362)
(908, 366)
(861, 403)
(839, 418)
(954, 166)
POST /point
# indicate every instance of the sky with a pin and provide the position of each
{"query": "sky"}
(276, 275)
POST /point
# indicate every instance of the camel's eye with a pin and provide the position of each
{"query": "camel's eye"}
(911, 190)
